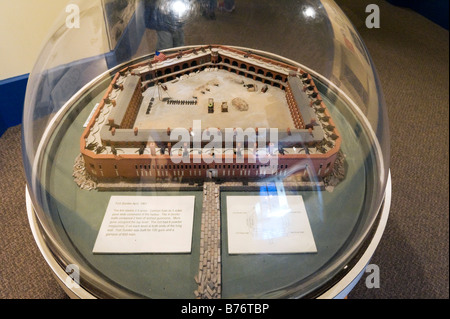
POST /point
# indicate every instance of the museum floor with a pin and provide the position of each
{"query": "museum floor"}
(412, 58)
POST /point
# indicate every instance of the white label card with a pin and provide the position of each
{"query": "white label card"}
(268, 225)
(147, 224)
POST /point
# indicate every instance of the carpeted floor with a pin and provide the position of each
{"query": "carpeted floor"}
(412, 58)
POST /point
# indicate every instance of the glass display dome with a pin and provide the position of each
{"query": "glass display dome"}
(202, 149)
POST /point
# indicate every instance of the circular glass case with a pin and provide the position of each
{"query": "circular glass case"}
(203, 149)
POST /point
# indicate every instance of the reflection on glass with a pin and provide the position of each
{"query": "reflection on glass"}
(309, 12)
(180, 8)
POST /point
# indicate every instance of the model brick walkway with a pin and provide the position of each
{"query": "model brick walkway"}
(209, 275)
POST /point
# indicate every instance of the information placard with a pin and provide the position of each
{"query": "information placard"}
(147, 224)
(268, 225)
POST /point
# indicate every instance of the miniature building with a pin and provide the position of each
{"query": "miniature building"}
(310, 147)
(211, 106)
(127, 106)
(224, 107)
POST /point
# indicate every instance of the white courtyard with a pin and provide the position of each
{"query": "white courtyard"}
(265, 110)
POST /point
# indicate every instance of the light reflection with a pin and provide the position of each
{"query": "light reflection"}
(309, 12)
(179, 8)
(270, 220)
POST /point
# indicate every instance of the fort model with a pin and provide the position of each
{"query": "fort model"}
(129, 135)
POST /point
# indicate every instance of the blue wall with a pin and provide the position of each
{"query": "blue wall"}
(435, 10)
(12, 96)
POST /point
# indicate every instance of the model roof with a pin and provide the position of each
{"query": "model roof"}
(129, 87)
(302, 99)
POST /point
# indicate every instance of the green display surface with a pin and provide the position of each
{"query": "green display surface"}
(334, 216)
